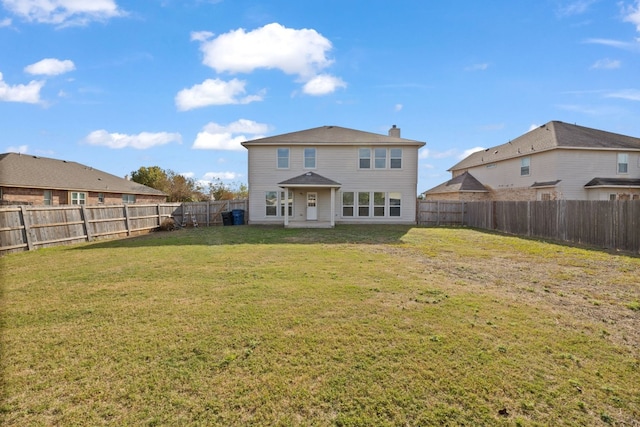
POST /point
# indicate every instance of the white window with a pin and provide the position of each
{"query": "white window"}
(380, 155)
(78, 198)
(364, 156)
(395, 200)
(347, 203)
(275, 203)
(309, 158)
(363, 203)
(286, 202)
(525, 164)
(128, 198)
(623, 163)
(271, 203)
(379, 202)
(48, 197)
(396, 158)
(100, 197)
(283, 158)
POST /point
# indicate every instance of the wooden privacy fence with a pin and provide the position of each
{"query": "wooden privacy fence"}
(32, 227)
(608, 224)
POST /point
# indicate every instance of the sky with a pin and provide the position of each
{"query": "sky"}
(121, 84)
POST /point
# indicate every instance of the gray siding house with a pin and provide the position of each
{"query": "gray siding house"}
(554, 161)
(330, 175)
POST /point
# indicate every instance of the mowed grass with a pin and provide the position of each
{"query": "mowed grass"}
(353, 326)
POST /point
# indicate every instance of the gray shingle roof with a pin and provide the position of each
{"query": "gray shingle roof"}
(613, 182)
(309, 179)
(552, 135)
(332, 135)
(462, 183)
(28, 171)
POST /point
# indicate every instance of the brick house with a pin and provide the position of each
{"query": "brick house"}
(554, 161)
(33, 180)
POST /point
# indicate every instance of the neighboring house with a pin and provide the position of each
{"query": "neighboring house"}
(554, 161)
(328, 175)
(34, 180)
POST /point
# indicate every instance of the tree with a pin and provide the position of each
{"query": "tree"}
(220, 191)
(178, 188)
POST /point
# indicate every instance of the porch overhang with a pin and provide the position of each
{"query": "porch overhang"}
(312, 180)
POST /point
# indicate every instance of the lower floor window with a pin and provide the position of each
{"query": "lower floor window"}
(48, 197)
(275, 199)
(78, 198)
(371, 203)
(128, 198)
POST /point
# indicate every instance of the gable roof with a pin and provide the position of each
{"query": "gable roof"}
(332, 135)
(462, 183)
(309, 179)
(552, 135)
(27, 171)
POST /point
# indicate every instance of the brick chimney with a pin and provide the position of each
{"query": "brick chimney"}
(394, 131)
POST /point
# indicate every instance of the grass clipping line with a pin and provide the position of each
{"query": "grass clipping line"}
(357, 325)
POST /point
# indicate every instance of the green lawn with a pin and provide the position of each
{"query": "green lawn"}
(352, 326)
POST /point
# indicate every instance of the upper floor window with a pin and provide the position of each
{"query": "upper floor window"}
(283, 158)
(525, 164)
(364, 156)
(396, 158)
(623, 163)
(48, 197)
(78, 198)
(309, 158)
(380, 158)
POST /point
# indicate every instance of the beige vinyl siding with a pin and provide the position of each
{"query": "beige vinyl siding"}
(338, 163)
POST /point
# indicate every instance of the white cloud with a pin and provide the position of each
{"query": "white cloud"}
(140, 141)
(577, 7)
(477, 67)
(614, 43)
(218, 137)
(532, 127)
(299, 52)
(323, 84)
(64, 12)
(50, 67)
(201, 36)
(214, 92)
(398, 107)
(423, 153)
(29, 93)
(443, 154)
(467, 153)
(629, 94)
(227, 176)
(632, 14)
(6, 22)
(19, 149)
(606, 64)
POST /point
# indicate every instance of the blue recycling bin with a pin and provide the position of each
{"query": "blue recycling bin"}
(238, 216)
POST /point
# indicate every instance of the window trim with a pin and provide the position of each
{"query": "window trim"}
(396, 158)
(47, 201)
(376, 158)
(315, 158)
(278, 157)
(77, 200)
(128, 199)
(391, 207)
(525, 169)
(361, 158)
(351, 205)
(622, 159)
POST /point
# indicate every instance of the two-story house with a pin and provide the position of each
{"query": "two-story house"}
(330, 175)
(552, 162)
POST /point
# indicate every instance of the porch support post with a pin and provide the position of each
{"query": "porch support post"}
(286, 206)
(333, 207)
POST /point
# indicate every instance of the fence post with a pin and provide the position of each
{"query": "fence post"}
(87, 229)
(208, 211)
(126, 219)
(27, 227)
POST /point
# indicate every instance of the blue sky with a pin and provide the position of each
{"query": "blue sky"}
(120, 84)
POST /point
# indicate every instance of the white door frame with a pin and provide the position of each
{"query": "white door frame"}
(312, 206)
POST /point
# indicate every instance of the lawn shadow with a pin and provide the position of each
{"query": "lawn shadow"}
(260, 234)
